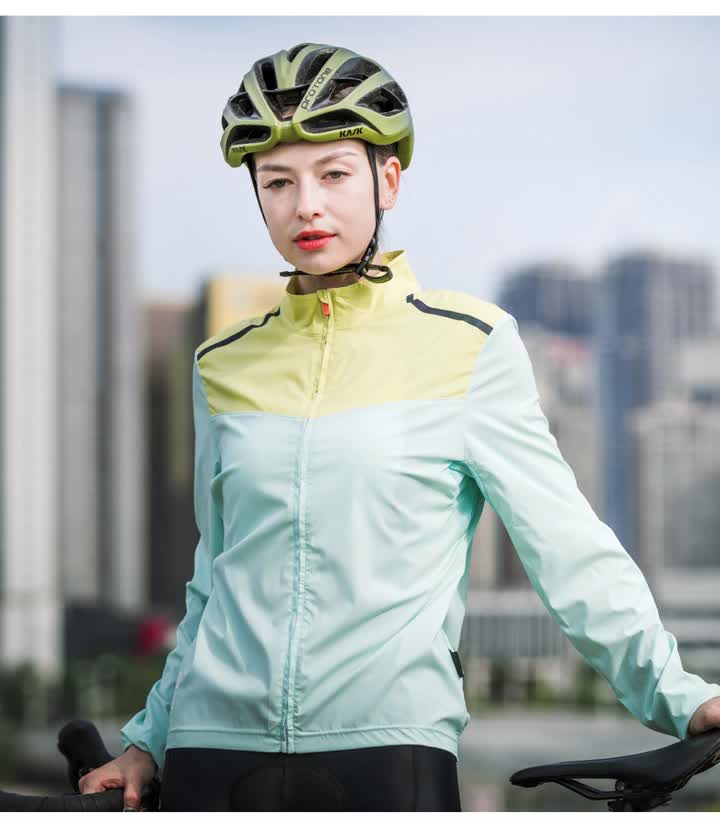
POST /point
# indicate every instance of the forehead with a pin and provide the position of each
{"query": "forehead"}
(305, 153)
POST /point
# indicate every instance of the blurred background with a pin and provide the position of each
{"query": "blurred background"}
(575, 182)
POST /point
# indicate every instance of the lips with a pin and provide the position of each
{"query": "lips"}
(312, 234)
(311, 240)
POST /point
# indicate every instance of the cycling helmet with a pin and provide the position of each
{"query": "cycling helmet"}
(336, 94)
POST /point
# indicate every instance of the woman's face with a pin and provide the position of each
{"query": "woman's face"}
(325, 187)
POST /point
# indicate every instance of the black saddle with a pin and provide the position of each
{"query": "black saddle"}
(643, 780)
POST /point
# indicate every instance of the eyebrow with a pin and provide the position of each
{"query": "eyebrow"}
(325, 159)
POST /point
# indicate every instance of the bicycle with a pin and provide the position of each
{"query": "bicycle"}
(643, 781)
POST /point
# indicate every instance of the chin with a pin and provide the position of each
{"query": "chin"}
(313, 264)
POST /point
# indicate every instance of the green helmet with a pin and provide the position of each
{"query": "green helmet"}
(339, 94)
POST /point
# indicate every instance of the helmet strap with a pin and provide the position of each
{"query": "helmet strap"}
(251, 169)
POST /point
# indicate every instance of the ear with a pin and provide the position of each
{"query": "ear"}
(389, 183)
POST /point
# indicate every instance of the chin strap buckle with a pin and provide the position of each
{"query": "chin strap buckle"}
(349, 269)
(383, 278)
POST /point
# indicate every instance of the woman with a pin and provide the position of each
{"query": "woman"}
(346, 443)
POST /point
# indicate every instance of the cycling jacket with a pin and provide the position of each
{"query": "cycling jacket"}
(345, 444)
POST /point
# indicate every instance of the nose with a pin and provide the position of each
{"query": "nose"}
(309, 200)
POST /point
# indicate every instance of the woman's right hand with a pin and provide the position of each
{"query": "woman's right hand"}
(132, 770)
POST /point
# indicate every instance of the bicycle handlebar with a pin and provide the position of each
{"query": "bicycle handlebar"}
(81, 745)
(110, 800)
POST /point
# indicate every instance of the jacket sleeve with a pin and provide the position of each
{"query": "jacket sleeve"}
(148, 728)
(592, 587)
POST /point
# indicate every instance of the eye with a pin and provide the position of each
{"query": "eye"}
(280, 181)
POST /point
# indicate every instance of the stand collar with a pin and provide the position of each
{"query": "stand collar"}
(350, 305)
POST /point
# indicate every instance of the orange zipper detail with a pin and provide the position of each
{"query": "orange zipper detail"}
(325, 309)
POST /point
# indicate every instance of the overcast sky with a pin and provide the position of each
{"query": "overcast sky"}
(536, 138)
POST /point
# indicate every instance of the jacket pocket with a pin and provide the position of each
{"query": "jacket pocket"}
(455, 656)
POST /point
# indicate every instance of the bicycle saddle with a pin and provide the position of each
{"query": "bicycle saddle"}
(669, 767)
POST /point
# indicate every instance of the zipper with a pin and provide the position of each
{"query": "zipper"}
(292, 663)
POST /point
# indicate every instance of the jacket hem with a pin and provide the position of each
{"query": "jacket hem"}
(312, 741)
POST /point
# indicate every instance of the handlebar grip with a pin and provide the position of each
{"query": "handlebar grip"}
(80, 743)
(111, 800)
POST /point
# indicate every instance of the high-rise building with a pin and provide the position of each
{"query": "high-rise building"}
(678, 487)
(678, 480)
(30, 599)
(169, 459)
(554, 296)
(99, 357)
(698, 371)
(676, 441)
(648, 304)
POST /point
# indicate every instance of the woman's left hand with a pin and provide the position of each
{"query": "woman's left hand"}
(706, 717)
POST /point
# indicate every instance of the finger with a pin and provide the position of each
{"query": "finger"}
(131, 799)
(89, 785)
(98, 785)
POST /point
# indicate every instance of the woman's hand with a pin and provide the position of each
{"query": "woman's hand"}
(132, 770)
(706, 717)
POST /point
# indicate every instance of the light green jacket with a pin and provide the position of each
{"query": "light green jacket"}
(343, 457)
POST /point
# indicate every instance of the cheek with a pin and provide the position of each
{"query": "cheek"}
(277, 219)
(357, 207)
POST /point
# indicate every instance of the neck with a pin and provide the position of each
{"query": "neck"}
(310, 283)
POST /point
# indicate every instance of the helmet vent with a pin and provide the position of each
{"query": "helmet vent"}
(357, 68)
(334, 120)
(383, 100)
(241, 106)
(334, 91)
(395, 89)
(284, 99)
(312, 64)
(247, 134)
(265, 72)
(295, 50)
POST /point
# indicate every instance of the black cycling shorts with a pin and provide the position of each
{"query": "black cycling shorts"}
(385, 778)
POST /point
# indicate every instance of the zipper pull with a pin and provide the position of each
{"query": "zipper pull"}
(325, 308)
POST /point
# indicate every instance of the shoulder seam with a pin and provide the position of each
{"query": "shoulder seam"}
(453, 315)
(201, 352)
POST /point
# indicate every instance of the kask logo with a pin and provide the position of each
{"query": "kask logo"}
(351, 132)
(315, 87)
